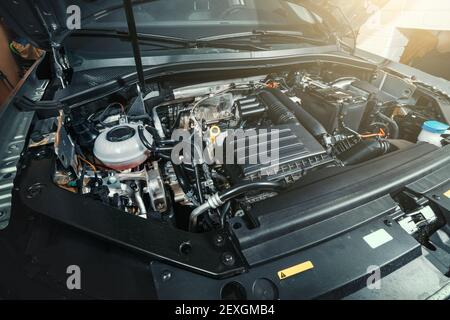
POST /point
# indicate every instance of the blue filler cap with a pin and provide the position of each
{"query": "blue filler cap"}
(435, 127)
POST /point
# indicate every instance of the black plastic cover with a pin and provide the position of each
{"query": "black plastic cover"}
(297, 152)
(322, 196)
(329, 104)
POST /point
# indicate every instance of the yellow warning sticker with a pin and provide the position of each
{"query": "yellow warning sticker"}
(447, 194)
(292, 271)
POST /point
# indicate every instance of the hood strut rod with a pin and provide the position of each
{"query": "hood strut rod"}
(132, 31)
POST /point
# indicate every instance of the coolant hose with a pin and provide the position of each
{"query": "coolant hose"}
(144, 140)
(307, 120)
(219, 199)
(364, 150)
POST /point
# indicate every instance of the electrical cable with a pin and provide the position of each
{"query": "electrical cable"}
(88, 163)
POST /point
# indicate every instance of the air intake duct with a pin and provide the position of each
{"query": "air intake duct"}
(277, 111)
(307, 120)
(365, 150)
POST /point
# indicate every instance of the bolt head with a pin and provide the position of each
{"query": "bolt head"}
(228, 259)
(166, 276)
(134, 186)
(219, 240)
(34, 190)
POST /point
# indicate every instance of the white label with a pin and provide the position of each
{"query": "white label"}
(378, 238)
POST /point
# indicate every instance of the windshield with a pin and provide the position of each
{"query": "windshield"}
(193, 19)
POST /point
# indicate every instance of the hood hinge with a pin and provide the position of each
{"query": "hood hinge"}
(61, 63)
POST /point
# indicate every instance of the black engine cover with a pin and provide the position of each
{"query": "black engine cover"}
(296, 152)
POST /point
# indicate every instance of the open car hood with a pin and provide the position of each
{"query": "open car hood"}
(44, 22)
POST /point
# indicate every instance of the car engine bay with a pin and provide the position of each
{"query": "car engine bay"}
(232, 150)
(124, 151)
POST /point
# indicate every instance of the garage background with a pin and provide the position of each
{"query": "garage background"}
(402, 30)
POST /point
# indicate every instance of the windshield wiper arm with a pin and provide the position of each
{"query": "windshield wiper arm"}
(126, 36)
(267, 34)
(228, 45)
(164, 41)
(288, 34)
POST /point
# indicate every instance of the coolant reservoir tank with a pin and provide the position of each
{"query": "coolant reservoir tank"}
(120, 147)
(432, 132)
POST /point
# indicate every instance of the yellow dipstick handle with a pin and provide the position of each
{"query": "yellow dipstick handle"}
(214, 132)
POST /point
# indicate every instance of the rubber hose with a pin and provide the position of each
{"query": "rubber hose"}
(306, 119)
(182, 179)
(247, 187)
(144, 139)
(363, 151)
(220, 199)
(198, 183)
(278, 112)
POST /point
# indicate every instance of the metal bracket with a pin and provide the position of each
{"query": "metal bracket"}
(138, 106)
(65, 150)
(156, 189)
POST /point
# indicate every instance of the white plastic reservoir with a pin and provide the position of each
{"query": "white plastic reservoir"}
(120, 147)
(432, 132)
